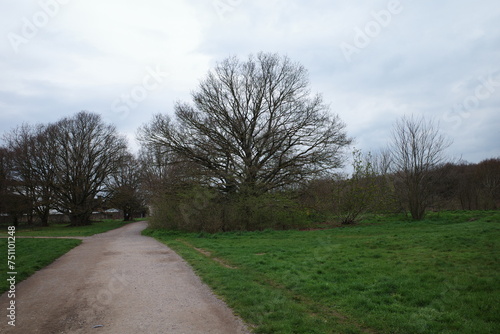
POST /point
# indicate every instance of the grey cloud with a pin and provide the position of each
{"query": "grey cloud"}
(428, 58)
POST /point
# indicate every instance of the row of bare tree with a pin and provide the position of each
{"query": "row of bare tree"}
(468, 186)
(71, 166)
(448, 186)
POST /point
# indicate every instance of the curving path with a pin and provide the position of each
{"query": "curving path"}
(118, 282)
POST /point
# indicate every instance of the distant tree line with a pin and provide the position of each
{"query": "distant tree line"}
(468, 186)
(449, 186)
(255, 149)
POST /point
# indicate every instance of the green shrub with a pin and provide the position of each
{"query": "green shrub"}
(198, 209)
(274, 211)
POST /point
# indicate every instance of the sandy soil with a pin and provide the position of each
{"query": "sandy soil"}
(118, 282)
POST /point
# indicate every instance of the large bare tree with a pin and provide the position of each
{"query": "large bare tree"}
(86, 153)
(417, 148)
(253, 126)
(32, 168)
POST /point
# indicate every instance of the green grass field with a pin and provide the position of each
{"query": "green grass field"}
(63, 230)
(32, 255)
(387, 275)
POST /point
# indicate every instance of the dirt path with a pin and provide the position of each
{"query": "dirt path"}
(124, 282)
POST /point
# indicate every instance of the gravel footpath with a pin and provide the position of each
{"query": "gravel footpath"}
(118, 282)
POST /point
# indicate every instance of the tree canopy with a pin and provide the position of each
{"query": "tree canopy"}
(253, 126)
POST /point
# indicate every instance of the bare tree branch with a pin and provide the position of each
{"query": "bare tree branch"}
(417, 148)
(254, 126)
(86, 153)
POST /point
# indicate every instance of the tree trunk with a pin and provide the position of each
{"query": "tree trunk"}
(44, 219)
(127, 215)
(80, 219)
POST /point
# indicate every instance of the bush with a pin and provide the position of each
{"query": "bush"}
(274, 211)
(199, 209)
(164, 212)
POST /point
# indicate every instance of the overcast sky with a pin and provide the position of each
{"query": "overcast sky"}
(373, 61)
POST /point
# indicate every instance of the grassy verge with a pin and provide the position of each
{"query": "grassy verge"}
(63, 230)
(32, 255)
(389, 275)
